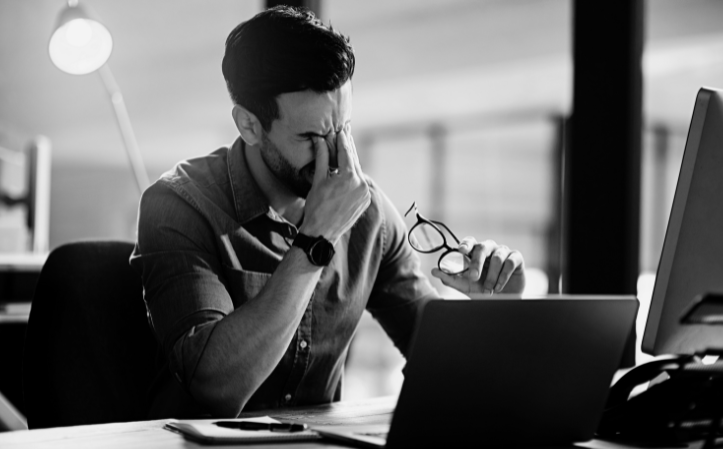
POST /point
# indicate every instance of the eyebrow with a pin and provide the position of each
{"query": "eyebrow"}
(310, 134)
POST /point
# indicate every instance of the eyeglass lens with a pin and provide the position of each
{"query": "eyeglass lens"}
(426, 238)
(454, 262)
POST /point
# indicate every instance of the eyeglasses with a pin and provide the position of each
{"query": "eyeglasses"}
(428, 236)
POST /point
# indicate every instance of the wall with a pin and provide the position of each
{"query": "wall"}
(92, 201)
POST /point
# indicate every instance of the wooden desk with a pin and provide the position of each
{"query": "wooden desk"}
(150, 434)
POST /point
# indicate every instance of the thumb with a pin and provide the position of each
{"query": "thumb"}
(322, 159)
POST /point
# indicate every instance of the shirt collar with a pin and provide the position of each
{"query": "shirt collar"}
(249, 200)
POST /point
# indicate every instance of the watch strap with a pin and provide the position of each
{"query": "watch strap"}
(303, 241)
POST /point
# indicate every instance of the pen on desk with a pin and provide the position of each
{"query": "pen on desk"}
(251, 425)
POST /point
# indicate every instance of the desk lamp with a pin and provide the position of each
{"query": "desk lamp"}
(79, 45)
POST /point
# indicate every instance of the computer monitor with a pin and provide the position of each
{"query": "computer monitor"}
(691, 262)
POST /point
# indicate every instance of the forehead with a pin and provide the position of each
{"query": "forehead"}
(308, 111)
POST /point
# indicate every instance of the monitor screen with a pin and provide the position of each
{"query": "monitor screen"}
(691, 262)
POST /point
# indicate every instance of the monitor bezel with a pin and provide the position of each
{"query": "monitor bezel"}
(651, 343)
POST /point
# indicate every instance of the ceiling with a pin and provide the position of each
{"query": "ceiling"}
(417, 60)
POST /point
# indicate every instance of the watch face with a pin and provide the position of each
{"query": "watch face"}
(321, 252)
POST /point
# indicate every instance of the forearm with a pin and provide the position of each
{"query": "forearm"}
(246, 346)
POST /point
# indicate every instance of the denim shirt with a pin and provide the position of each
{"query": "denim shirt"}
(208, 241)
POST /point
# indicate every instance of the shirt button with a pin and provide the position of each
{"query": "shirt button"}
(303, 344)
(287, 398)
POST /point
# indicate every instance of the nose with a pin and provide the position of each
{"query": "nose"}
(331, 139)
(331, 143)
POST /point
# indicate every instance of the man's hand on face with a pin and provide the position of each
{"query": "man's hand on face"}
(338, 197)
(492, 268)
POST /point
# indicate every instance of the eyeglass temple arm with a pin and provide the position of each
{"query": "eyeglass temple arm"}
(439, 223)
(412, 208)
(421, 218)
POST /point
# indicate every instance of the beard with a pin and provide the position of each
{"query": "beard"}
(297, 180)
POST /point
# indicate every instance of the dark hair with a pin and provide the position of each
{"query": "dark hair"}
(280, 50)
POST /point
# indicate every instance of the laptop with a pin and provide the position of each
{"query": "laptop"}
(504, 372)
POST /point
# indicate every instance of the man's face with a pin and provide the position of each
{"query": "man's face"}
(288, 149)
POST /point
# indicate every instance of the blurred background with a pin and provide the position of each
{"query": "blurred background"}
(457, 106)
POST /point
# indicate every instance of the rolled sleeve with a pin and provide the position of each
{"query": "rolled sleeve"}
(184, 295)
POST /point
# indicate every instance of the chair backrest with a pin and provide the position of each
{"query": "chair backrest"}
(89, 350)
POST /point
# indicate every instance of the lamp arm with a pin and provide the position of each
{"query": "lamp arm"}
(126, 129)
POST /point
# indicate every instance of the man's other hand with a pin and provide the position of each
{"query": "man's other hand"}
(492, 268)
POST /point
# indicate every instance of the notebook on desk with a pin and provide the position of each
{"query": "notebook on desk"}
(505, 372)
(208, 432)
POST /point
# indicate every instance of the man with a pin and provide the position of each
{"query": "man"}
(258, 260)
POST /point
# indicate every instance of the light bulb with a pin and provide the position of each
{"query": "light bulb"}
(80, 46)
(78, 33)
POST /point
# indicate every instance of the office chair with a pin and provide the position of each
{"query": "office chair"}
(89, 350)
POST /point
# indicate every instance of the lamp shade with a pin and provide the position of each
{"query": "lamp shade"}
(79, 44)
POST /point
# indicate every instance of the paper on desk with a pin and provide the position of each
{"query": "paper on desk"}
(204, 431)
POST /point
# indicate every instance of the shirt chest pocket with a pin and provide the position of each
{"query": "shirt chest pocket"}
(243, 285)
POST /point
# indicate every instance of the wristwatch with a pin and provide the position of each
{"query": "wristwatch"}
(318, 249)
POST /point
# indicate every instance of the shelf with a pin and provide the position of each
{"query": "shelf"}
(22, 261)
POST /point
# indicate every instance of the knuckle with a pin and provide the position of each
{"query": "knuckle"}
(469, 240)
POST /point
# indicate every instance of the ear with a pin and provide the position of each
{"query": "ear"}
(247, 124)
